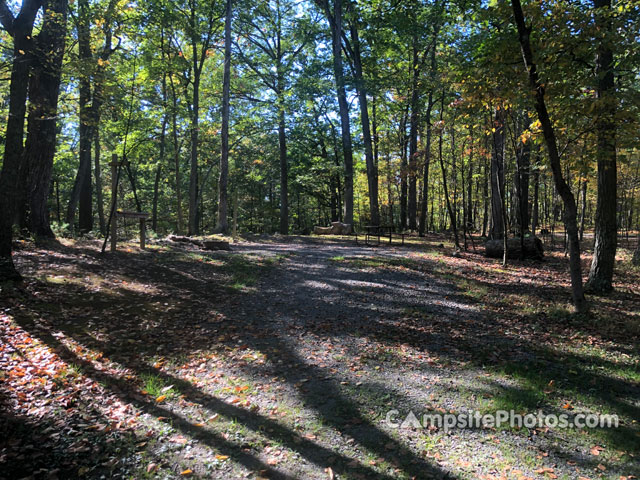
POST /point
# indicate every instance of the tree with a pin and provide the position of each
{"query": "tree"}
(355, 56)
(571, 213)
(497, 230)
(271, 55)
(92, 75)
(223, 226)
(606, 233)
(334, 17)
(44, 89)
(20, 29)
(201, 22)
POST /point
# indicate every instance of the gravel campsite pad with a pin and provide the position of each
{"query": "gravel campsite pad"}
(287, 359)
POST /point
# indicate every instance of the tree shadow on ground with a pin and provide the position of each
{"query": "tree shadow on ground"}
(447, 327)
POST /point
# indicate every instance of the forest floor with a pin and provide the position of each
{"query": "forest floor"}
(283, 357)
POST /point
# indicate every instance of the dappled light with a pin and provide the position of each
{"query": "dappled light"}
(282, 360)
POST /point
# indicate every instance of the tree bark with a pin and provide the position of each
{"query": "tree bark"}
(81, 197)
(282, 133)
(20, 29)
(583, 207)
(284, 167)
(345, 124)
(497, 177)
(223, 201)
(523, 165)
(404, 169)
(193, 226)
(98, 175)
(606, 231)
(81, 193)
(414, 119)
(44, 89)
(451, 210)
(427, 160)
(524, 32)
(372, 169)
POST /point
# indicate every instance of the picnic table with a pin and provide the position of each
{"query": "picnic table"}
(380, 231)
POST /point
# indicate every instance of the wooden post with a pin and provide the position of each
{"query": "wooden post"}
(142, 232)
(114, 202)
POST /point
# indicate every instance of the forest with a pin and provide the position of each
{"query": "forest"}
(482, 158)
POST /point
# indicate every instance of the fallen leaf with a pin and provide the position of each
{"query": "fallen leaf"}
(161, 398)
(186, 472)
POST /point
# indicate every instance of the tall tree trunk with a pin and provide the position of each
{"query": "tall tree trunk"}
(160, 162)
(523, 165)
(83, 196)
(44, 89)
(98, 176)
(372, 169)
(548, 131)
(389, 191)
(497, 177)
(404, 170)
(469, 209)
(284, 168)
(606, 232)
(344, 111)
(223, 226)
(193, 226)
(427, 160)
(450, 209)
(20, 29)
(412, 201)
(485, 197)
(176, 161)
(583, 209)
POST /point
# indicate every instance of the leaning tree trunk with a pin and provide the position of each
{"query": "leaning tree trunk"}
(548, 131)
(372, 169)
(44, 89)
(606, 234)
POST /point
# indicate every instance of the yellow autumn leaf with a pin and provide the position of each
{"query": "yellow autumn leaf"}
(186, 472)
(161, 398)
(222, 458)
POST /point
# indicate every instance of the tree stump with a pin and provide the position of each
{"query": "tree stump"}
(532, 248)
